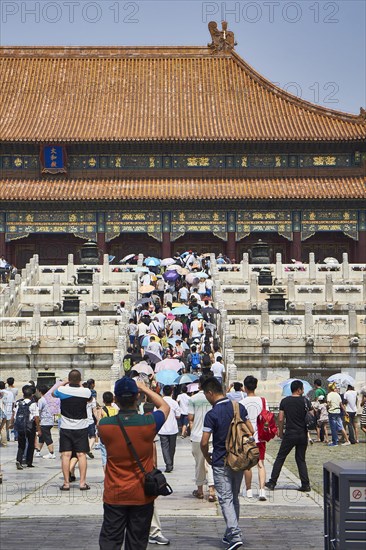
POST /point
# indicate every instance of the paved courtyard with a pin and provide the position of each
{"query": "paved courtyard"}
(42, 517)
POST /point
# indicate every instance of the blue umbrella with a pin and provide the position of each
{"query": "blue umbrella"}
(166, 377)
(286, 386)
(186, 379)
(171, 276)
(181, 310)
(145, 341)
(151, 261)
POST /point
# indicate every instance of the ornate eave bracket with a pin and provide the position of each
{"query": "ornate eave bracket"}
(222, 41)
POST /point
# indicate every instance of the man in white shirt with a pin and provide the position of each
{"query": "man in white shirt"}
(198, 406)
(254, 406)
(218, 369)
(197, 327)
(169, 431)
(176, 326)
(350, 398)
(155, 348)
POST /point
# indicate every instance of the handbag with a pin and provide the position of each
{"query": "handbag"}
(310, 419)
(155, 483)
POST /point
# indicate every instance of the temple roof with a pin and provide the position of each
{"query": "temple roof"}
(183, 189)
(117, 94)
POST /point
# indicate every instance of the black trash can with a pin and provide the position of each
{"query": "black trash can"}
(344, 505)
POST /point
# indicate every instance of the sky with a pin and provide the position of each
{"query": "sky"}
(313, 49)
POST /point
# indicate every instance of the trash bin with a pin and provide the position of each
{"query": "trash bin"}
(344, 505)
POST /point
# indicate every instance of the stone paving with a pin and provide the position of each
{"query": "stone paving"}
(32, 505)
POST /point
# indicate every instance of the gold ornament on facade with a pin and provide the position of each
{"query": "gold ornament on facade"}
(278, 162)
(73, 218)
(198, 161)
(152, 162)
(18, 162)
(92, 162)
(244, 161)
(325, 161)
(117, 162)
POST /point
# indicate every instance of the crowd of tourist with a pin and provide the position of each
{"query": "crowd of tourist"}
(173, 384)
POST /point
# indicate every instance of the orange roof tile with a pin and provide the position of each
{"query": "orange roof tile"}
(183, 189)
(116, 94)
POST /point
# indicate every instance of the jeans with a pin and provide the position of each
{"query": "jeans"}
(227, 485)
(168, 443)
(300, 443)
(335, 423)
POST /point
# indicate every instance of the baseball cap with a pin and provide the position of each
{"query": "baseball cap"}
(321, 397)
(125, 387)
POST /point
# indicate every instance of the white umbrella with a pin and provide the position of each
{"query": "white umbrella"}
(126, 258)
(167, 261)
(143, 368)
(169, 364)
(342, 380)
(330, 260)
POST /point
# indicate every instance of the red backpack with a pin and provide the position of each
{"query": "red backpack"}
(266, 424)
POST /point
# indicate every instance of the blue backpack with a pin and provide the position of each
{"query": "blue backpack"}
(195, 360)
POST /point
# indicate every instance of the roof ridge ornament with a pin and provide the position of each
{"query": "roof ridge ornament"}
(362, 113)
(222, 41)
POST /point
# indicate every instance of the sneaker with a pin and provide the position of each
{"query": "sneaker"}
(50, 455)
(37, 454)
(159, 539)
(19, 466)
(262, 495)
(225, 540)
(249, 493)
(270, 485)
(346, 443)
(304, 489)
(234, 545)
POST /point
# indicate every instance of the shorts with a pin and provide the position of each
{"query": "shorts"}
(74, 440)
(262, 449)
(91, 430)
(184, 419)
(46, 436)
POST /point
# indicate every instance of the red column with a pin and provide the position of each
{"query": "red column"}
(101, 242)
(295, 247)
(2, 245)
(361, 248)
(166, 249)
(231, 245)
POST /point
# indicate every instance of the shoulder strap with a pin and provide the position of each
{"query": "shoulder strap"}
(263, 404)
(129, 444)
(238, 418)
(105, 409)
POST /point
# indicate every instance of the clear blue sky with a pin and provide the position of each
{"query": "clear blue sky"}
(314, 49)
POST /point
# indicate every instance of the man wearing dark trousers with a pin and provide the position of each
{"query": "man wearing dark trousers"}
(127, 510)
(27, 427)
(293, 409)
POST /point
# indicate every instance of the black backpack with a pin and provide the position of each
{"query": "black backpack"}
(22, 423)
